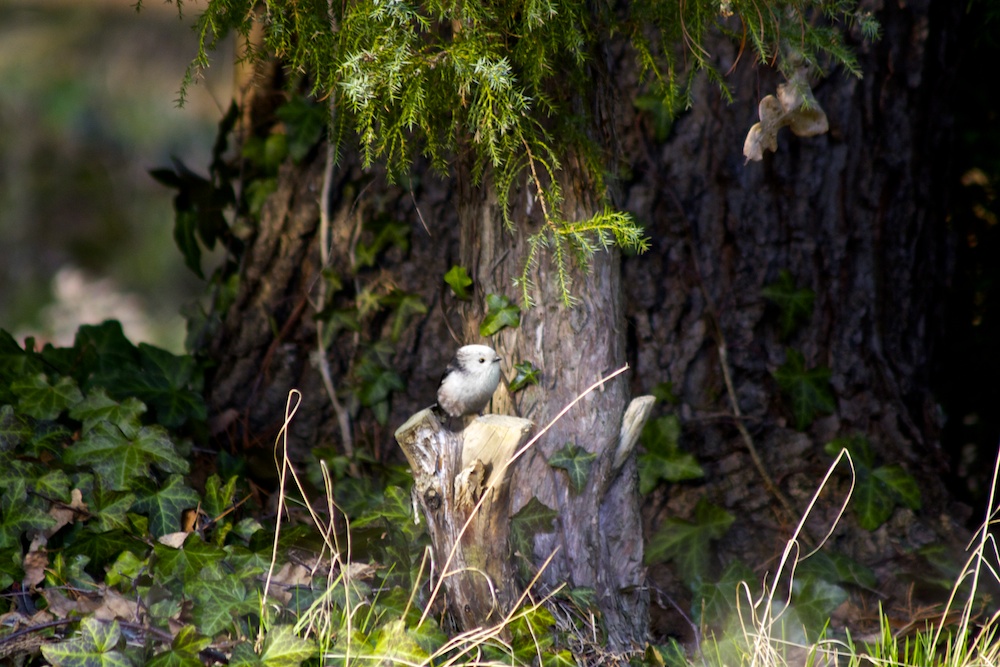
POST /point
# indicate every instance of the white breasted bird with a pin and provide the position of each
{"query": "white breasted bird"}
(469, 381)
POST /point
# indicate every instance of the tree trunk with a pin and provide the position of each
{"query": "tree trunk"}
(854, 215)
(858, 217)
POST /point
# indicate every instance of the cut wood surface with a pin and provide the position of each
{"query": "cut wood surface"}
(452, 471)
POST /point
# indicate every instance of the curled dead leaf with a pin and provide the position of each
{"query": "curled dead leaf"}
(795, 107)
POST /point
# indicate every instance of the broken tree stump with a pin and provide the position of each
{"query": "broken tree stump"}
(452, 471)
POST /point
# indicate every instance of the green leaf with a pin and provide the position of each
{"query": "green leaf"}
(185, 230)
(535, 517)
(119, 460)
(39, 399)
(525, 374)
(221, 601)
(654, 468)
(836, 568)
(459, 280)
(18, 516)
(175, 658)
(98, 407)
(105, 348)
(873, 501)
(283, 649)
(186, 562)
(101, 548)
(687, 543)
(808, 390)
(815, 600)
(576, 461)
(15, 362)
(715, 602)
(165, 505)
(501, 313)
(304, 125)
(405, 305)
(857, 446)
(126, 569)
(663, 459)
(376, 384)
(14, 429)
(218, 497)
(795, 305)
(53, 485)
(878, 492)
(659, 114)
(388, 233)
(92, 646)
(901, 483)
(394, 645)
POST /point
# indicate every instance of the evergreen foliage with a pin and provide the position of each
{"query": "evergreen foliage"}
(500, 82)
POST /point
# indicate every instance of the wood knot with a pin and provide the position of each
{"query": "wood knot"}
(432, 499)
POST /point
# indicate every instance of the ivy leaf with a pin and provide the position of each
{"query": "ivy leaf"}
(663, 459)
(901, 484)
(857, 446)
(282, 648)
(101, 548)
(218, 497)
(389, 233)
(873, 501)
(93, 644)
(394, 645)
(526, 374)
(406, 306)
(104, 348)
(18, 516)
(716, 601)
(377, 382)
(501, 312)
(39, 399)
(814, 600)
(186, 562)
(98, 407)
(183, 650)
(808, 390)
(686, 543)
(14, 362)
(119, 460)
(836, 568)
(795, 305)
(165, 505)
(304, 125)
(221, 601)
(576, 461)
(459, 280)
(54, 484)
(14, 429)
(535, 517)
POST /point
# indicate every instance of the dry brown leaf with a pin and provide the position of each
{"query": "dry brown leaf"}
(34, 565)
(173, 540)
(795, 107)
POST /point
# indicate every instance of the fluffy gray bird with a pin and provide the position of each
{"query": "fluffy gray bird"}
(469, 381)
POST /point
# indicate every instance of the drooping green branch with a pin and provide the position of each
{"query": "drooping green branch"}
(431, 77)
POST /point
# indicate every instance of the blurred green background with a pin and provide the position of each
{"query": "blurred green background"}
(88, 104)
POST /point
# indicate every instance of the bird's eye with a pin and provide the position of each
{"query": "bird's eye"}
(482, 360)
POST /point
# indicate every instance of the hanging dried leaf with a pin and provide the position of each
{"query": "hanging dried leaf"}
(795, 107)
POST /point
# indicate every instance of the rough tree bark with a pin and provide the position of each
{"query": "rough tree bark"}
(857, 216)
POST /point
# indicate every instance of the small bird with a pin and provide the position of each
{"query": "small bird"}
(469, 381)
